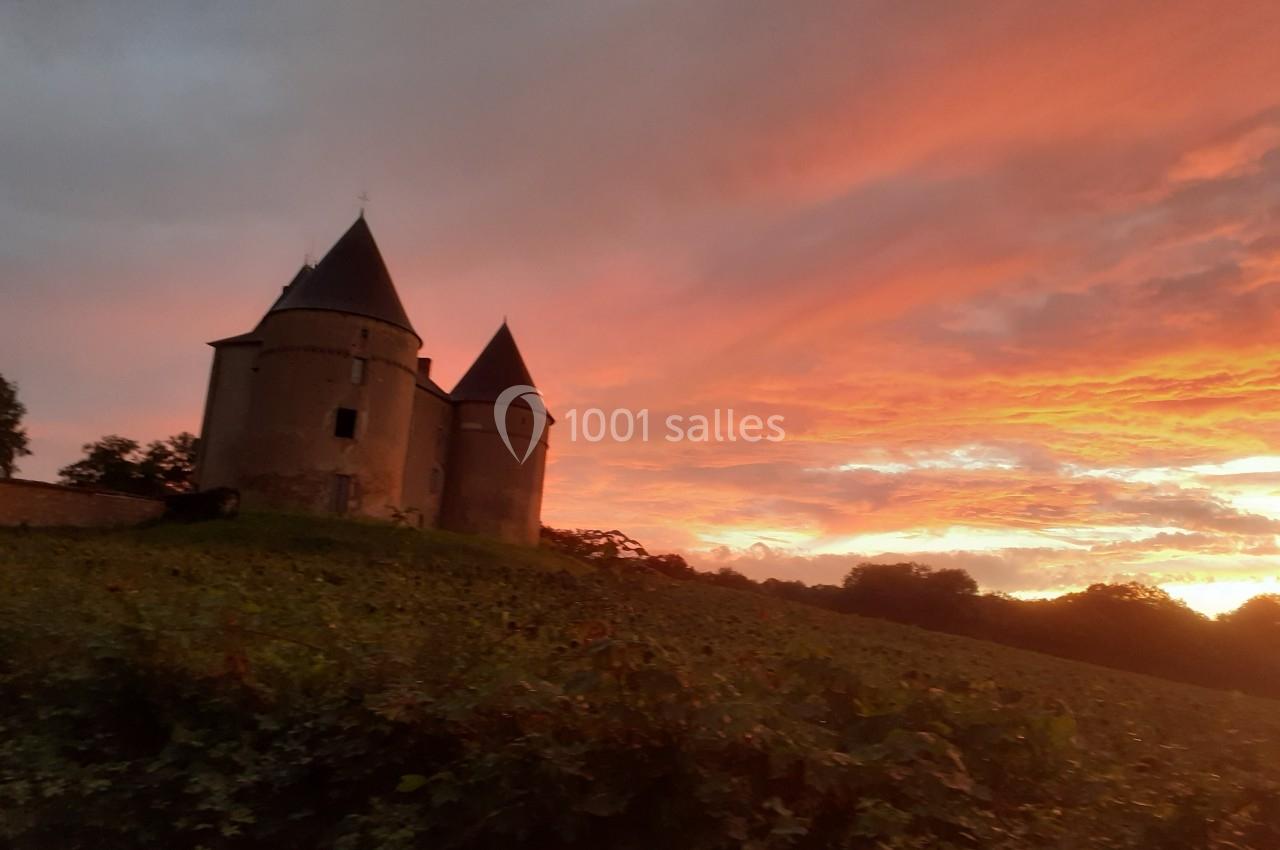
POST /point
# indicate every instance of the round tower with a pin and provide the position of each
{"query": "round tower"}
(332, 401)
(494, 485)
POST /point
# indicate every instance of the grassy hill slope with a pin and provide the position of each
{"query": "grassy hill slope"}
(292, 682)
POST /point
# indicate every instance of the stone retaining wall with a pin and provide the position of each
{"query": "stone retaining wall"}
(36, 503)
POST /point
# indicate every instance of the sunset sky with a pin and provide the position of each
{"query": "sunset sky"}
(1010, 271)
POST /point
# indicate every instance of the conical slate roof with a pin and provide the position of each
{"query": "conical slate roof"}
(499, 366)
(302, 274)
(306, 269)
(352, 278)
(252, 336)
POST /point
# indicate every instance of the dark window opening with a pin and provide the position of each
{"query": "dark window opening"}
(342, 487)
(344, 424)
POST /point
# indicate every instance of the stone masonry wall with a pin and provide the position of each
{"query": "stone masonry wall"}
(39, 504)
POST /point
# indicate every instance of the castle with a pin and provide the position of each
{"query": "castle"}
(326, 407)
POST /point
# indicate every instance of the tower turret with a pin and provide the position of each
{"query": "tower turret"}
(494, 488)
(329, 416)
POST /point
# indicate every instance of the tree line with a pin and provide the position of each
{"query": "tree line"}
(13, 437)
(160, 468)
(1128, 626)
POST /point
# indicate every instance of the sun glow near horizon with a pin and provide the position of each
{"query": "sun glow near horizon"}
(1210, 598)
(1207, 532)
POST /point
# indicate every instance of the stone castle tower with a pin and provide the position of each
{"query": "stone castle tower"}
(325, 406)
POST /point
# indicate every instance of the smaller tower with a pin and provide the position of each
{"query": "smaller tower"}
(488, 490)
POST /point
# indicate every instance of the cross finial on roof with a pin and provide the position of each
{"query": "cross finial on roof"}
(363, 198)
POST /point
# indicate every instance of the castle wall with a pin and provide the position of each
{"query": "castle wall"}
(226, 413)
(487, 491)
(425, 472)
(291, 457)
(36, 503)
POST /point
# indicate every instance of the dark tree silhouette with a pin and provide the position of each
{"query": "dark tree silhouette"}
(170, 463)
(729, 577)
(108, 464)
(614, 549)
(1259, 617)
(13, 437)
(909, 593)
(672, 566)
(120, 464)
(592, 544)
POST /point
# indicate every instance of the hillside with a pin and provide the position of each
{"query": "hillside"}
(291, 682)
